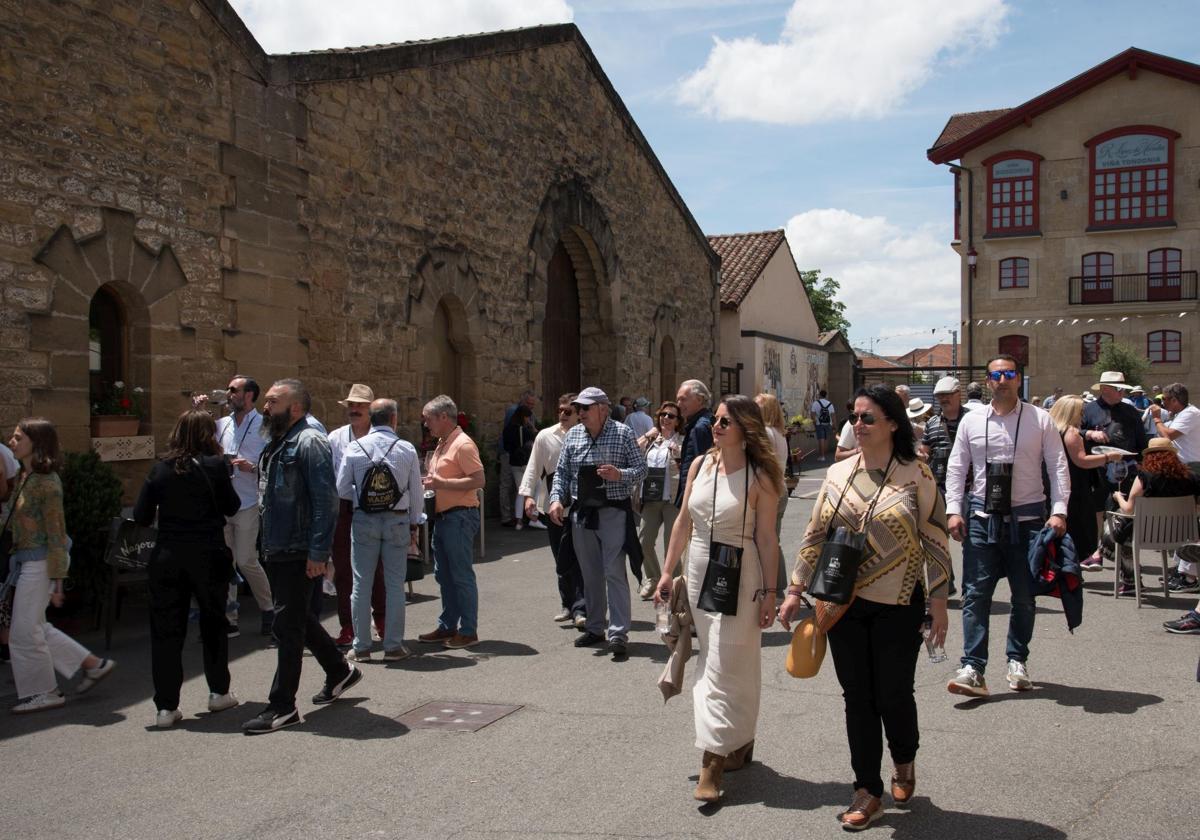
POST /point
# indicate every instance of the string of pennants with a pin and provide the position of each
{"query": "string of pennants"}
(1024, 322)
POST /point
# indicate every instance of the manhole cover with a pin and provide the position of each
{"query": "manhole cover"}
(454, 715)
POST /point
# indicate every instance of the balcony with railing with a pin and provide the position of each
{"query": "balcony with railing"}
(1133, 288)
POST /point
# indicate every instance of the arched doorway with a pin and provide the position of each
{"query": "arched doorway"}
(443, 367)
(561, 333)
(108, 343)
(666, 369)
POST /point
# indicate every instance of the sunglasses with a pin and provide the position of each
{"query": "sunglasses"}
(566, 409)
(997, 375)
(868, 418)
(583, 409)
(666, 415)
(724, 422)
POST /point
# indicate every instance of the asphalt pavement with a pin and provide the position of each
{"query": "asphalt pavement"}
(1104, 747)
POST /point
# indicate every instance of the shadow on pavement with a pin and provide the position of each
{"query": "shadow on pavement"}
(654, 651)
(1096, 701)
(74, 713)
(759, 783)
(432, 662)
(488, 648)
(923, 819)
(346, 719)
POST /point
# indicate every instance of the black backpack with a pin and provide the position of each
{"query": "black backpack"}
(823, 416)
(380, 491)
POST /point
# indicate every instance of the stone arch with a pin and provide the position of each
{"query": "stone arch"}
(444, 279)
(570, 215)
(664, 351)
(144, 281)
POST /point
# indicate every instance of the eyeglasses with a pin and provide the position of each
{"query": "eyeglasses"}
(997, 375)
(583, 409)
(666, 415)
(868, 418)
(724, 422)
(566, 409)
(233, 389)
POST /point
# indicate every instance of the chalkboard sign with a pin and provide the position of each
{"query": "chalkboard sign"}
(129, 545)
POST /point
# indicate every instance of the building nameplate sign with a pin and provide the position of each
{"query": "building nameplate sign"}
(1012, 168)
(1133, 150)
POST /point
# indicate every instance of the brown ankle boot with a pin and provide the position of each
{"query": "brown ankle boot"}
(904, 782)
(708, 789)
(739, 758)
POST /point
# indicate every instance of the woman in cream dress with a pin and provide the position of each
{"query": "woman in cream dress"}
(731, 497)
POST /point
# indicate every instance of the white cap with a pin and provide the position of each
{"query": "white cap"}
(945, 385)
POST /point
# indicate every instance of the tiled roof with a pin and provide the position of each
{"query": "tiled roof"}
(960, 125)
(743, 258)
(871, 361)
(938, 356)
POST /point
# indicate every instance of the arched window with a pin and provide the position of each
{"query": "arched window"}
(441, 358)
(666, 368)
(1162, 274)
(108, 344)
(1014, 273)
(1098, 277)
(1016, 346)
(1131, 174)
(1090, 345)
(1164, 346)
(1012, 192)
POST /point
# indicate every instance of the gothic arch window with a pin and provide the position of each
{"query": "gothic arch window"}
(666, 368)
(108, 343)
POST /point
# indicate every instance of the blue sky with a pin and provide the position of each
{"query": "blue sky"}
(811, 115)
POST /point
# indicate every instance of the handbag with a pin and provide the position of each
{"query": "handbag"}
(807, 649)
(836, 573)
(129, 545)
(723, 577)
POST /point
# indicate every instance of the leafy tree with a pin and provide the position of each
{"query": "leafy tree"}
(1117, 356)
(822, 294)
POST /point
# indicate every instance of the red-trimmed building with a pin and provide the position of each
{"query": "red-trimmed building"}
(1077, 217)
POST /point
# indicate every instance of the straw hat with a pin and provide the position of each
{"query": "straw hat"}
(917, 407)
(1160, 444)
(1114, 378)
(358, 394)
(807, 650)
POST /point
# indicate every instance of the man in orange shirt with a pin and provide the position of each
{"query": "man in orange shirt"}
(455, 473)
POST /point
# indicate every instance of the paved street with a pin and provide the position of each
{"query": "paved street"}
(1106, 746)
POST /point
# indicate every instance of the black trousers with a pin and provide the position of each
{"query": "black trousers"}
(179, 572)
(570, 579)
(297, 628)
(874, 649)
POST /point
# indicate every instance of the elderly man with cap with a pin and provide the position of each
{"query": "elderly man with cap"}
(597, 470)
(942, 428)
(1111, 421)
(638, 419)
(358, 424)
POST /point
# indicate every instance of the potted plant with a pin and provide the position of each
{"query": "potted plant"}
(119, 412)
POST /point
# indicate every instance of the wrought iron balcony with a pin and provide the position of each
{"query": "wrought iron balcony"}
(1134, 288)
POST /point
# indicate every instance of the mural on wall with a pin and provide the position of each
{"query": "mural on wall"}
(818, 370)
(772, 370)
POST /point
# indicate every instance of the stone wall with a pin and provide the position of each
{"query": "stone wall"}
(305, 215)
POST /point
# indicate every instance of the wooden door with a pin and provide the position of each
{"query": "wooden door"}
(561, 370)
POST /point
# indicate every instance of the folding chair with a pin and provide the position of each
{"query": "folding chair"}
(1160, 524)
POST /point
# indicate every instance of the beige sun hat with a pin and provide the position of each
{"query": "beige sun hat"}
(1114, 378)
(1160, 444)
(358, 394)
(917, 407)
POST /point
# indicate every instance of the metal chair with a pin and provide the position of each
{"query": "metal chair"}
(1160, 524)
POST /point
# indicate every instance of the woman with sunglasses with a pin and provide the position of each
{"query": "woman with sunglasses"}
(888, 495)
(662, 446)
(39, 567)
(730, 498)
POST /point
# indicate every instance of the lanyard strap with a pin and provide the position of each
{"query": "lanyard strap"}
(238, 449)
(1016, 434)
(879, 492)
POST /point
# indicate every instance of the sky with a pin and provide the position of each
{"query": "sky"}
(808, 115)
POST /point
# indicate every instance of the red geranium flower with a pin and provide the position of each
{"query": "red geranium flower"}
(126, 402)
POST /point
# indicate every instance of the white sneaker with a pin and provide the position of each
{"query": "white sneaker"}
(221, 702)
(91, 676)
(646, 592)
(537, 523)
(40, 703)
(519, 525)
(969, 682)
(166, 718)
(1018, 676)
(563, 615)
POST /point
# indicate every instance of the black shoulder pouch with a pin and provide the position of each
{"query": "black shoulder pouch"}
(836, 572)
(723, 577)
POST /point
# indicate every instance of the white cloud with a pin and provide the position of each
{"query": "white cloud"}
(838, 59)
(299, 25)
(892, 280)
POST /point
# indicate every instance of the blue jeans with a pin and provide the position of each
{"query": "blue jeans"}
(378, 538)
(453, 541)
(983, 566)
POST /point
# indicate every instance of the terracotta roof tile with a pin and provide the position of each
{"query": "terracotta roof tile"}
(960, 125)
(938, 356)
(743, 258)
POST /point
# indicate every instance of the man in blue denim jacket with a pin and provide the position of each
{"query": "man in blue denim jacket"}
(299, 507)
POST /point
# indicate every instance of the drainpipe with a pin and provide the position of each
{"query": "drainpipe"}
(970, 269)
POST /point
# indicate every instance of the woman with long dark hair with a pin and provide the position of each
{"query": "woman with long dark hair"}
(39, 566)
(191, 492)
(730, 498)
(892, 498)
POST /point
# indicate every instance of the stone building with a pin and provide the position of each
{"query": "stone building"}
(1077, 218)
(769, 336)
(474, 215)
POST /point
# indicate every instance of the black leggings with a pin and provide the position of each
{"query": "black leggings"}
(874, 649)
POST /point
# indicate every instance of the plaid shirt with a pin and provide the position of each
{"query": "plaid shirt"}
(615, 445)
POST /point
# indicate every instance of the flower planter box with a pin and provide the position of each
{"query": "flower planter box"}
(114, 425)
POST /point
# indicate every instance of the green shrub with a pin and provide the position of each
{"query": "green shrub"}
(91, 498)
(1117, 356)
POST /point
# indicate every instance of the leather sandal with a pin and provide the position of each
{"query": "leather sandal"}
(863, 811)
(904, 782)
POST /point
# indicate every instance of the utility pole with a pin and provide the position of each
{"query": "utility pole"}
(954, 349)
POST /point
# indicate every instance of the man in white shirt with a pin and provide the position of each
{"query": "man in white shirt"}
(638, 419)
(535, 487)
(358, 406)
(380, 538)
(1183, 429)
(822, 414)
(1005, 444)
(240, 436)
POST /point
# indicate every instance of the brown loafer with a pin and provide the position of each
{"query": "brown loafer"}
(904, 782)
(437, 636)
(863, 811)
(458, 641)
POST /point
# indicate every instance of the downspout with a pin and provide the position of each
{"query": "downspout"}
(970, 246)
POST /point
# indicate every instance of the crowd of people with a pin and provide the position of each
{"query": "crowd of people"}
(690, 498)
